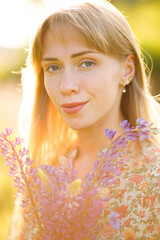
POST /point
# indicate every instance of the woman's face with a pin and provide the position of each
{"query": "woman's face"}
(82, 83)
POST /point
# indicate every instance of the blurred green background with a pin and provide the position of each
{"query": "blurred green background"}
(144, 18)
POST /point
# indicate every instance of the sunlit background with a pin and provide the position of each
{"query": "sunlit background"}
(18, 20)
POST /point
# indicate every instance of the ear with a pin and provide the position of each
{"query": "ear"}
(128, 69)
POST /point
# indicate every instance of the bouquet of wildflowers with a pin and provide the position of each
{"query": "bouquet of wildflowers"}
(59, 205)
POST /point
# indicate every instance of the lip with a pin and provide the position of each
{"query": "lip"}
(73, 107)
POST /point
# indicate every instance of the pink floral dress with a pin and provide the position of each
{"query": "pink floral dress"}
(133, 211)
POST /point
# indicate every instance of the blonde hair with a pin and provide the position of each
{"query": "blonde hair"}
(105, 29)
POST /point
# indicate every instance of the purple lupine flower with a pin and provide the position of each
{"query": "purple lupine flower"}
(110, 133)
(144, 134)
(28, 161)
(132, 136)
(141, 121)
(127, 130)
(125, 124)
(49, 201)
(108, 180)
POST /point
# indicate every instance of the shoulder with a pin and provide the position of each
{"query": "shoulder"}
(142, 169)
(144, 157)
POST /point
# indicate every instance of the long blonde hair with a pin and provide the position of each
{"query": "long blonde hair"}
(106, 30)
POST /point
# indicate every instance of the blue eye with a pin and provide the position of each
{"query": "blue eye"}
(52, 68)
(87, 64)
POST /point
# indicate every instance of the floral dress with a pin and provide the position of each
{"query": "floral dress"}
(133, 211)
(135, 201)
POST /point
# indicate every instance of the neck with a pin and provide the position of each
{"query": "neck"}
(91, 140)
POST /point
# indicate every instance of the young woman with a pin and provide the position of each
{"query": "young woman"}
(88, 74)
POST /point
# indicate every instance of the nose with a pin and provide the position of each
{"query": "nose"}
(69, 84)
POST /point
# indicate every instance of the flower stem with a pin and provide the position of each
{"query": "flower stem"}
(26, 183)
(100, 165)
(87, 238)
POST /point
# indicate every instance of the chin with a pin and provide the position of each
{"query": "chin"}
(79, 125)
(76, 126)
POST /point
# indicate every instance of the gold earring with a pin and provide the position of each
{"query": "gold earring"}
(124, 89)
(126, 82)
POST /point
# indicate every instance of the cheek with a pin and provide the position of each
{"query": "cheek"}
(105, 93)
(52, 90)
(101, 86)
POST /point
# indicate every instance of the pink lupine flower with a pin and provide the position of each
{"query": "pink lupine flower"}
(9, 131)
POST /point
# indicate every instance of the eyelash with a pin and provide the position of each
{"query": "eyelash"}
(51, 66)
(57, 67)
(88, 61)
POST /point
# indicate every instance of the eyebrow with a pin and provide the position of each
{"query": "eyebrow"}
(72, 56)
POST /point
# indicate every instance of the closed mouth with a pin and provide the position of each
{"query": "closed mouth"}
(74, 107)
(73, 104)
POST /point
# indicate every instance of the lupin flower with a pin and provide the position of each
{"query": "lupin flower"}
(125, 124)
(18, 170)
(60, 206)
(110, 133)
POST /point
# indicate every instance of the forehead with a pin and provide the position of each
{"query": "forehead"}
(63, 37)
